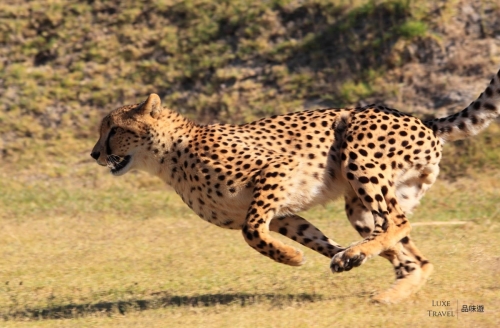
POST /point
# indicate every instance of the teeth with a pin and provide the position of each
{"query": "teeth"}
(116, 163)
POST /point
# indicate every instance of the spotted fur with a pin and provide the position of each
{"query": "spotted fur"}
(255, 177)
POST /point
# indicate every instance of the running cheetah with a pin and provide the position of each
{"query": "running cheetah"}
(256, 177)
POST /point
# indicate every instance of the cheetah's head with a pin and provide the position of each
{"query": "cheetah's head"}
(123, 132)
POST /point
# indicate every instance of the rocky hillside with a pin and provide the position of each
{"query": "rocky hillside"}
(64, 63)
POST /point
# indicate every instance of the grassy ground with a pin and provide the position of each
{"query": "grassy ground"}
(80, 248)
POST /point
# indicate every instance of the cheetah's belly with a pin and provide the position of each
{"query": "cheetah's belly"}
(413, 185)
(227, 210)
(307, 191)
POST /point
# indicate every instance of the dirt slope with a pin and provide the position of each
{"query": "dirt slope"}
(62, 64)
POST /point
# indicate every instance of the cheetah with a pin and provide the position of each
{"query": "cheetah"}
(256, 177)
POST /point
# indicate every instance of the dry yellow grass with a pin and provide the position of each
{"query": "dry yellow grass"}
(97, 251)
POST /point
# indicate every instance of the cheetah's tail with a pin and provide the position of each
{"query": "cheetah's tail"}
(473, 119)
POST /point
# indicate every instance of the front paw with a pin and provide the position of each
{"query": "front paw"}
(346, 260)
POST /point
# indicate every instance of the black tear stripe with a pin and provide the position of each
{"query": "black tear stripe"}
(108, 147)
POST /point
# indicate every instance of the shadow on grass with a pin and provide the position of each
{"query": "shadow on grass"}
(162, 300)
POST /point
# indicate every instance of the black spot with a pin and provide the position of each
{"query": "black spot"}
(385, 190)
(489, 106)
(363, 179)
(304, 227)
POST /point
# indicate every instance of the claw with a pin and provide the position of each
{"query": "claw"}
(344, 263)
(336, 268)
(358, 259)
(347, 265)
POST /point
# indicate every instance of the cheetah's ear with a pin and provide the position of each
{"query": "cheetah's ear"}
(151, 106)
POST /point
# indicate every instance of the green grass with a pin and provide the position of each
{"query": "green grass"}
(413, 29)
(80, 248)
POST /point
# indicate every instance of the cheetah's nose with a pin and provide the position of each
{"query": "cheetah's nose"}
(95, 155)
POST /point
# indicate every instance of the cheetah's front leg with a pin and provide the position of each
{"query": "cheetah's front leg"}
(266, 203)
(302, 231)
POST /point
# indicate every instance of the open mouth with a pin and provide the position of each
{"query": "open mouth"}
(118, 163)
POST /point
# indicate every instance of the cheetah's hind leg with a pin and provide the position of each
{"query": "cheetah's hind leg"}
(412, 269)
(377, 193)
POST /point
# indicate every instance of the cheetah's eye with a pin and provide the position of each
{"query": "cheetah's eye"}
(113, 130)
